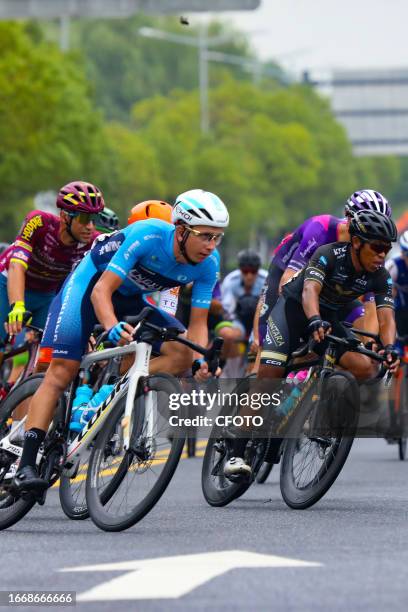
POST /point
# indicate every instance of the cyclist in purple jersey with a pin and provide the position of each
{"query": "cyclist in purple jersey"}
(44, 252)
(295, 250)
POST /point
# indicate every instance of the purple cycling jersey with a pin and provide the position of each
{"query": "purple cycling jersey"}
(295, 250)
(40, 251)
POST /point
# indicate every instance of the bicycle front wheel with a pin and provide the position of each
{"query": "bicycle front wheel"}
(12, 508)
(313, 458)
(122, 486)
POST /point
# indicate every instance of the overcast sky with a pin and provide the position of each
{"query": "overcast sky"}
(323, 34)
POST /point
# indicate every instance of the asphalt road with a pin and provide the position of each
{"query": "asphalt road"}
(356, 539)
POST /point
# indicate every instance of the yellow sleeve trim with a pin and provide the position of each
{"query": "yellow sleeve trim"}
(24, 245)
(23, 263)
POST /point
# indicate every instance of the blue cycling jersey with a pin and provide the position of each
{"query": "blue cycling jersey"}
(142, 255)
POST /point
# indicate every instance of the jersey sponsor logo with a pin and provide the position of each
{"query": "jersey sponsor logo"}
(315, 273)
(151, 236)
(275, 333)
(182, 278)
(361, 282)
(389, 281)
(388, 299)
(340, 250)
(30, 227)
(175, 291)
(179, 210)
(132, 248)
(199, 301)
(309, 247)
(113, 245)
(323, 260)
(272, 362)
(118, 268)
(21, 255)
(146, 279)
(263, 310)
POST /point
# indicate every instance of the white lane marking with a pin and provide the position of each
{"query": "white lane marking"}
(172, 577)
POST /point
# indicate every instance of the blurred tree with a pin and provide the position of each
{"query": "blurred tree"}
(126, 67)
(49, 132)
(270, 154)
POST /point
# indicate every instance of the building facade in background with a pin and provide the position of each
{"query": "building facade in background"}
(373, 107)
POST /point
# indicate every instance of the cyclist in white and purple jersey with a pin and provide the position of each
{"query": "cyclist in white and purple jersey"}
(295, 250)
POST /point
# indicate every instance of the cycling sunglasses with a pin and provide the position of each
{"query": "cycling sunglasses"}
(85, 218)
(380, 247)
(206, 237)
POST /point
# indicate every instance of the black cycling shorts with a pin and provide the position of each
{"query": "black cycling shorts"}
(286, 330)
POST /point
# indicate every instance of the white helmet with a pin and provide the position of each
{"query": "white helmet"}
(199, 207)
(403, 242)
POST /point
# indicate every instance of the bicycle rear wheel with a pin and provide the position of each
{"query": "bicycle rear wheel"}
(312, 460)
(122, 486)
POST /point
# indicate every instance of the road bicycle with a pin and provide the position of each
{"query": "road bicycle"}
(121, 441)
(398, 405)
(311, 442)
(8, 351)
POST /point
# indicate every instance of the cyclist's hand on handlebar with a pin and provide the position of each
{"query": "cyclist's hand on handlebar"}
(120, 331)
(201, 371)
(318, 328)
(392, 358)
(17, 318)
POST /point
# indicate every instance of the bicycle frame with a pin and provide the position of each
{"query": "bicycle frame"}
(127, 384)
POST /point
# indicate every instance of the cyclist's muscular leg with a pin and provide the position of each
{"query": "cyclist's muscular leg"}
(174, 358)
(359, 365)
(59, 375)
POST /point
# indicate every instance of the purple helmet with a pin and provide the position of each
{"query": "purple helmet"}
(367, 199)
(80, 196)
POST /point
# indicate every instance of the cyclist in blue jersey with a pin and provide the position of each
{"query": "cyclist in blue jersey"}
(398, 269)
(110, 283)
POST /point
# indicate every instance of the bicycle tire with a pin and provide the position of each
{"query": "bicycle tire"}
(97, 504)
(300, 498)
(227, 491)
(13, 509)
(403, 441)
(264, 472)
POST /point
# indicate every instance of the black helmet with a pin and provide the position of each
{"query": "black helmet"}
(107, 221)
(249, 257)
(372, 225)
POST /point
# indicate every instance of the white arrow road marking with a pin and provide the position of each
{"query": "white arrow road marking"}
(172, 577)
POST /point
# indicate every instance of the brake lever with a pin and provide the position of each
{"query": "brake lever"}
(212, 357)
(388, 379)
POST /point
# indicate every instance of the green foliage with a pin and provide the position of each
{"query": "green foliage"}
(126, 67)
(49, 132)
(274, 156)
